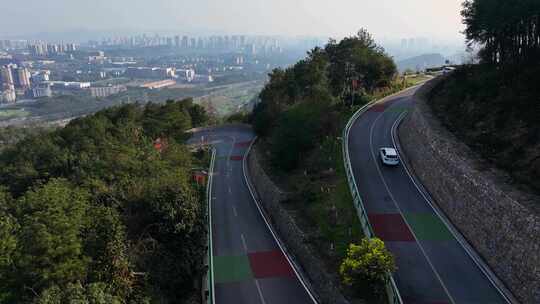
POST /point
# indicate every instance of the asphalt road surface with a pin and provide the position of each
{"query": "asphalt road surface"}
(433, 267)
(249, 266)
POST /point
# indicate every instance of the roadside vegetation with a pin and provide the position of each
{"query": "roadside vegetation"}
(98, 212)
(494, 106)
(416, 78)
(300, 118)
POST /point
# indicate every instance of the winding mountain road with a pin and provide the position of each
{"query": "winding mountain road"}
(248, 264)
(434, 264)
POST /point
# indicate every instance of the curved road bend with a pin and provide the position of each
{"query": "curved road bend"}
(249, 266)
(433, 267)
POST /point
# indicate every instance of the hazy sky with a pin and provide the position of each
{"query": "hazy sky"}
(384, 18)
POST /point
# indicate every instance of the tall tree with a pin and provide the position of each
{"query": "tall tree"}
(51, 248)
(507, 31)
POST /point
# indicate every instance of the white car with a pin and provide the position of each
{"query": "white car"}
(447, 70)
(389, 156)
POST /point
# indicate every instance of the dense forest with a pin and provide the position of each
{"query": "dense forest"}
(96, 212)
(494, 106)
(303, 104)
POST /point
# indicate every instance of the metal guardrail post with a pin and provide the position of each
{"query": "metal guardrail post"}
(210, 299)
(391, 289)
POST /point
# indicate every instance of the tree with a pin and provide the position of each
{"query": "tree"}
(8, 245)
(198, 114)
(297, 131)
(169, 120)
(366, 267)
(358, 58)
(51, 248)
(8, 228)
(105, 242)
(171, 232)
(76, 293)
(507, 31)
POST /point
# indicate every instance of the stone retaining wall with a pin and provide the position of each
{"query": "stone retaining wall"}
(489, 213)
(270, 196)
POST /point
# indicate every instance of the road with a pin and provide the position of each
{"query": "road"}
(433, 266)
(249, 266)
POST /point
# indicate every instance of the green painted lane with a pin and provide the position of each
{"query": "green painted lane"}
(427, 227)
(229, 269)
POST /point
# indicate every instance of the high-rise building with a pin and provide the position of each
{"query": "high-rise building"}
(38, 49)
(185, 42)
(234, 42)
(200, 43)
(226, 42)
(177, 41)
(7, 89)
(6, 76)
(71, 47)
(23, 78)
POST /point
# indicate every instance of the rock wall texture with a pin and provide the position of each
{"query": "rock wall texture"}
(270, 196)
(491, 214)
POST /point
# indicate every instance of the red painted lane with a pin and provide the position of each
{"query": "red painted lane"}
(269, 264)
(390, 227)
(236, 158)
(380, 107)
(242, 144)
(413, 301)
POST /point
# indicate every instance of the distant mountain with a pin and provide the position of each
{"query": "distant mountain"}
(421, 62)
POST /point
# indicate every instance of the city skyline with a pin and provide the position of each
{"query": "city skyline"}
(416, 18)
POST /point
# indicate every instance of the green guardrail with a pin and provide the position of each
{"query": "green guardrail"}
(209, 293)
(391, 289)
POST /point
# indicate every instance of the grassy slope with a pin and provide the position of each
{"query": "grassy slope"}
(321, 203)
(12, 113)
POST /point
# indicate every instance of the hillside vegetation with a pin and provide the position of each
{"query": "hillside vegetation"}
(497, 113)
(305, 104)
(495, 106)
(96, 213)
(300, 117)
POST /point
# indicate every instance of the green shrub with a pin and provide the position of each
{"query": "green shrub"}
(366, 267)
